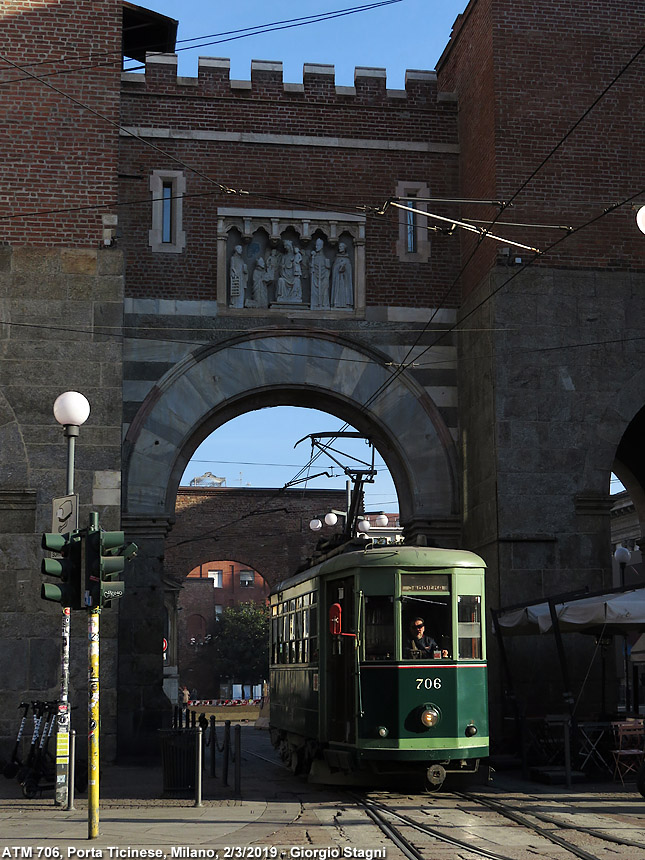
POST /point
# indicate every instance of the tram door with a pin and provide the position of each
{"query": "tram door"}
(341, 663)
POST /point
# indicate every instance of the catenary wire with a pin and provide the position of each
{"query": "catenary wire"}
(243, 32)
(230, 190)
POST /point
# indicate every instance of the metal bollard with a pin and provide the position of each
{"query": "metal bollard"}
(238, 760)
(227, 751)
(175, 717)
(213, 745)
(198, 767)
(71, 776)
(193, 719)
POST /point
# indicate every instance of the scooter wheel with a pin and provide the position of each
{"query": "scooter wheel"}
(10, 769)
(30, 788)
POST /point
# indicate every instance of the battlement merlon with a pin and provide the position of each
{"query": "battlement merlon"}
(214, 74)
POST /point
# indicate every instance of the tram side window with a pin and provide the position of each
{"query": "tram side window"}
(469, 628)
(379, 628)
(294, 631)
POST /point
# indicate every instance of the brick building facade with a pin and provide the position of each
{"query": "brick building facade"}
(259, 532)
(532, 103)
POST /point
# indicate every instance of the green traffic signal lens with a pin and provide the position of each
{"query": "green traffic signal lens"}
(52, 567)
(112, 540)
(48, 591)
(54, 542)
(112, 564)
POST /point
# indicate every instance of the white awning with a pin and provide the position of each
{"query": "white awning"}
(612, 613)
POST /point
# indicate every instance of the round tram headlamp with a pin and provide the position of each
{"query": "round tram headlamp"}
(429, 716)
(383, 731)
(471, 730)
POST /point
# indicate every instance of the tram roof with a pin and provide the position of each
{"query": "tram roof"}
(387, 556)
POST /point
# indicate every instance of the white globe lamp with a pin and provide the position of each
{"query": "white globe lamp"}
(315, 525)
(381, 521)
(71, 408)
(331, 519)
(640, 219)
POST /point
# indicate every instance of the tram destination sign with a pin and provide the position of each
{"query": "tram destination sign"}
(437, 582)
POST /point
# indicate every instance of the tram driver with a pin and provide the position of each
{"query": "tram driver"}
(418, 643)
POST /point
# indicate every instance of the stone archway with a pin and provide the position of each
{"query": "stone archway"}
(214, 384)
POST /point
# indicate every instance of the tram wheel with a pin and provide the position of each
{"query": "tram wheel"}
(640, 780)
(434, 778)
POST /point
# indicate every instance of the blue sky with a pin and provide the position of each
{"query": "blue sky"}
(410, 34)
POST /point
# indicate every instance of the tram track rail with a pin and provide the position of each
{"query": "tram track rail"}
(383, 816)
(511, 813)
(520, 818)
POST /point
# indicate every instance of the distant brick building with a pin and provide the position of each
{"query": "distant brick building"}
(260, 536)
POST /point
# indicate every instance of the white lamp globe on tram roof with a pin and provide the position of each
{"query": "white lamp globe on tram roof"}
(381, 521)
(364, 525)
(331, 519)
(315, 525)
(71, 408)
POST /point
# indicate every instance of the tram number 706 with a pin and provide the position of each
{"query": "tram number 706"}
(428, 683)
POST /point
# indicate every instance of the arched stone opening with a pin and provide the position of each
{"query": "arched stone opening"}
(214, 384)
(357, 384)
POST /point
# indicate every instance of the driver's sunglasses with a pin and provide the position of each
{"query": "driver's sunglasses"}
(419, 626)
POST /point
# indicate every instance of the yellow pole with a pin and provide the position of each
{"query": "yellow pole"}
(93, 726)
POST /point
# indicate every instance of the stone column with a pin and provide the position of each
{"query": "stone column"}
(142, 707)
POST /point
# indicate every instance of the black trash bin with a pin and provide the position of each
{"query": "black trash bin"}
(178, 761)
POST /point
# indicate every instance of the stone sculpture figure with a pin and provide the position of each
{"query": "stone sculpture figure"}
(261, 279)
(290, 279)
(320, 270)
(238, 278)
(273, 261)
(342, 291)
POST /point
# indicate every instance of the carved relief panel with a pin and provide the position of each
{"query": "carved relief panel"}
(296, 261)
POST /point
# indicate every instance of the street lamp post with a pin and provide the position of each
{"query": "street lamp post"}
(623, 556)
(71, 409)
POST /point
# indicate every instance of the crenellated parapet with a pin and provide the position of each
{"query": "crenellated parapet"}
(266, 79)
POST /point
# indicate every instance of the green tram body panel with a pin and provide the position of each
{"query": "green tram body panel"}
(325, 694)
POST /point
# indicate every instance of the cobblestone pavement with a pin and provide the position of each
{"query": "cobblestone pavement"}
(280, 816)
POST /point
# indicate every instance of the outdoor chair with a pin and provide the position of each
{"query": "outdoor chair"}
(628, 754)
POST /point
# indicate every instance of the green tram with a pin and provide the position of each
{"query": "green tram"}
(352, 698)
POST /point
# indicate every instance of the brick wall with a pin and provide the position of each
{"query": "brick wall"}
(524, 74)
(266, 530)
(60, 154)
(389, 137)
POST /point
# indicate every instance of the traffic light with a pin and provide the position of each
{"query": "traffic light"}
(105, 558)
(67, 569)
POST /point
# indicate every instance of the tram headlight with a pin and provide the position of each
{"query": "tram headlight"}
(429, 716)
(471, 730)
(383, 731)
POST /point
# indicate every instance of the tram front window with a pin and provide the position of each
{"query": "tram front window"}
(425, 617)
(379, 628)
